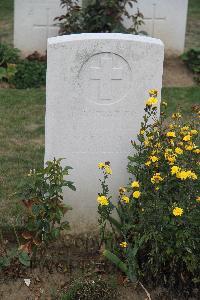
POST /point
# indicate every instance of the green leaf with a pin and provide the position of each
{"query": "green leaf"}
(115, 260)
(70, 185)
(3, 73)
(115, 223)
(55, 233)
(24, 259)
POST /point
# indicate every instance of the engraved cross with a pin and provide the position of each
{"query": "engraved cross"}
(105, 74)
(48, 24)
(154, 19)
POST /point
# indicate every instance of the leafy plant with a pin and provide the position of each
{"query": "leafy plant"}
(42, 196)
(7, 73)
(22, 73)
(155, 235)
(29, 74)
(8, 55)
(192, 60)
(10, 255)
(98, 16)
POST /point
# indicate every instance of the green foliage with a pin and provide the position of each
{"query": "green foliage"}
(115, 260)
(8, 258)
(192, 60)
(29, 74)
(87, 289)
(98, 16)
(8, 58)
(7, 73)
(8, 55)
(155, 235)
(42, 196)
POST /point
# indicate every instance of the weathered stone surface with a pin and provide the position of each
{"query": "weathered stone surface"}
(34, 24)
(97, 85)
(165, 20)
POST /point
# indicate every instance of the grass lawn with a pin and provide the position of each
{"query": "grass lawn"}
(6, 21)
(22, 136)
(193, 25)
(22, 141)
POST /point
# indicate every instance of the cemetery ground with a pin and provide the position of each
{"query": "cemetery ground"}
(22, 147)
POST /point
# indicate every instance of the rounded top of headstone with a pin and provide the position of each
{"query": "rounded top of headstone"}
(103, 36)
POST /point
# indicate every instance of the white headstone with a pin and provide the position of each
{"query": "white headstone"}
(165, 20)
(97, 85)
(34, 24)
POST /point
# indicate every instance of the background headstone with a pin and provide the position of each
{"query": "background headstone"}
(97, 85)
(34, 24)
(164, 19)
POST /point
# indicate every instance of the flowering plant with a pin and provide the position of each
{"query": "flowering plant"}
(156, 232)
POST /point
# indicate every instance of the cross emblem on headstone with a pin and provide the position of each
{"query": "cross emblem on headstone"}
(48, 25)
(154, 19)
(105, 74)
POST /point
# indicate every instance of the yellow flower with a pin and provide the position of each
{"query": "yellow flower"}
(142, 132)
(197, 151)
(183, 175)
(148, 163)
(171, 158)
(198, 199)
(185, 128)
(153, 92)
(187, 138)
(193, 132)
(136, 194)
(135, 184)
(125, 199)
(156, 178)
(189, 147)
(101, 165)
(122, 190)
(177, 211)
(124, 244)
(102, 200)
(178, 150)
(146, 142)
(192, 175)
(164, 103)
(108, 169)
(176, 116)
(158, 145)
(151, 101)
(171, 134)
(154, 158)
(175, 170)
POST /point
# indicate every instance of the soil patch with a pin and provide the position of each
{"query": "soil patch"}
(176, 74)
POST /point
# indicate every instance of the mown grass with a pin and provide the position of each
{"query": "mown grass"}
(184, 98)
(6, 21)
(193, 25)
(22, 137)
(22, 142)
